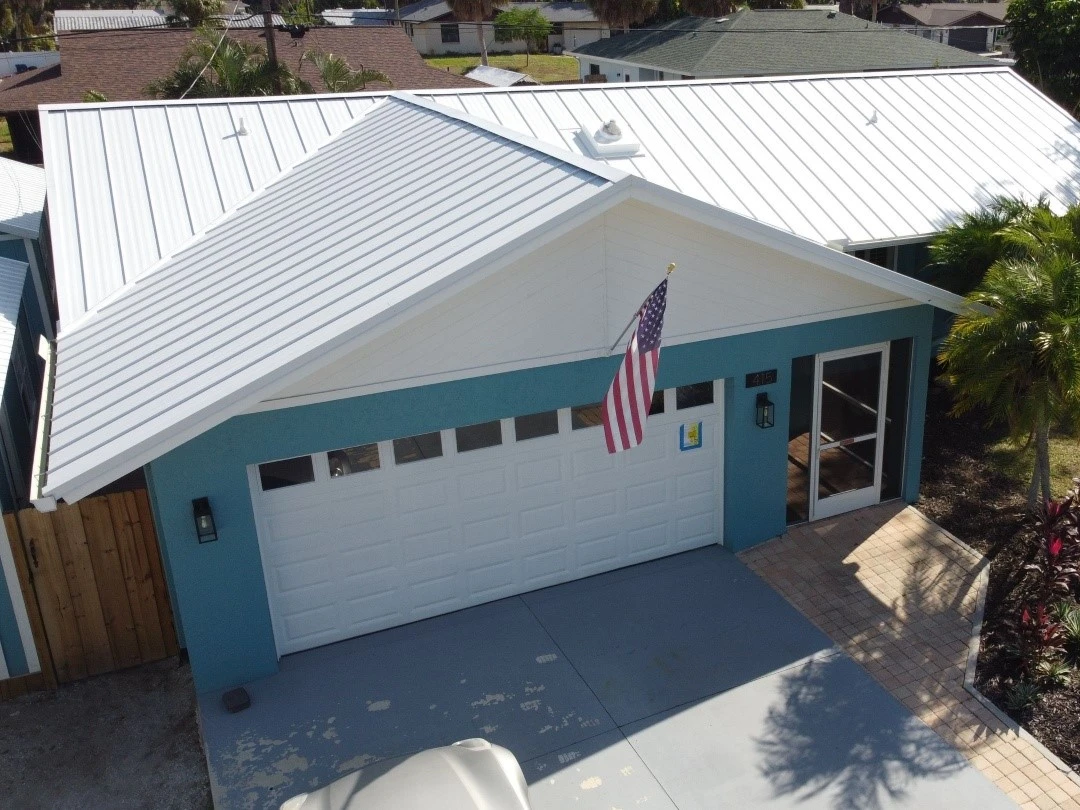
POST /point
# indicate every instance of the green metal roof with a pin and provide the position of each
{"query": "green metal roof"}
(781, 42)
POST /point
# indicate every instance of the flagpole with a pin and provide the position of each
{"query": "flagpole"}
(670, 270)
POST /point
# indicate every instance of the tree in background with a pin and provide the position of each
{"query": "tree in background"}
(215, 65)
(1045, 35)
(708, 8)
(523, 24)
(759, 5)
(1016, 352)
(622, 14)
(477, 11)
(24, 25)
(196, 12)
(338, 76)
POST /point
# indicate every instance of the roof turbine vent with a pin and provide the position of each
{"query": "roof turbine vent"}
(609, 132)
(609, 141)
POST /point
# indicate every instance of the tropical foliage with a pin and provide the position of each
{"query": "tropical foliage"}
(622, 14)
(23, 24)
(1045, 34)
(1016, 351)
(708, 8)
(477, 11)
(526, 25)
(216, 65)
(338, 76)
(196, 12)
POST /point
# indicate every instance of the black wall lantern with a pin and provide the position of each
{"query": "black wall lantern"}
(204, 520)
(764, 411)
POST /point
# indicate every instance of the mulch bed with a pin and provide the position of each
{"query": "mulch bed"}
(964, 493)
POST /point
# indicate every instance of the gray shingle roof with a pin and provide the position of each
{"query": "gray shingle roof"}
(563, 11)
(773, 43)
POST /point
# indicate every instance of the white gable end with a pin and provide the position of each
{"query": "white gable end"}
(570, 300)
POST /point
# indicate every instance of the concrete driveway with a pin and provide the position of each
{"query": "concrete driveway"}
(682, 683)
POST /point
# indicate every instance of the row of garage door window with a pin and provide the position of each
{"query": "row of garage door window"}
(362, 458)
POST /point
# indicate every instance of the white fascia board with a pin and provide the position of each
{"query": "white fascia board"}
(627, 63)
(38, 469)
(797, 246)
(518, 242)
(597, 167)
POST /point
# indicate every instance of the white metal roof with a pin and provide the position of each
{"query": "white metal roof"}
(844, 159)
(392, 210)
(22, 198)
(497, 77)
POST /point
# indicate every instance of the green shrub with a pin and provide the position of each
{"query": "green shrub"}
(1023, 695)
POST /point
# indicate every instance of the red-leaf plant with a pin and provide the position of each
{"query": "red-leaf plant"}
(1037, 637)
(1059, 540)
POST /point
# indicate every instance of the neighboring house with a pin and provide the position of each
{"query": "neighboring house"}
(358, 16)
(371, 330)
(120, 65)
(435, 30)
(975, 26)
(763, 43)
(25, 317)
(499, 77)
(13, 63)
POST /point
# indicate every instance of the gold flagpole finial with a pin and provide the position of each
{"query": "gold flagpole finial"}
(671, 268)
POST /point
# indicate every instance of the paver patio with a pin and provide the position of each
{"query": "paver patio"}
(685, 683)
(899, 594)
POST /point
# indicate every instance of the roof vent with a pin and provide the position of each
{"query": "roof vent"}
(609, 141)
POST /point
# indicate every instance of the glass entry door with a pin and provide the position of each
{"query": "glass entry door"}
(849, 428)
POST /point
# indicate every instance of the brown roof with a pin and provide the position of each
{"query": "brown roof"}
(120, 64)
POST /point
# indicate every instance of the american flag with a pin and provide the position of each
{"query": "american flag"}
(630, 397)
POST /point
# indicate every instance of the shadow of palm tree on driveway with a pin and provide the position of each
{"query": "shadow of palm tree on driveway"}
(823, 740)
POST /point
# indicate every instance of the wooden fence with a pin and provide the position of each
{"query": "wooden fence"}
(95, 588)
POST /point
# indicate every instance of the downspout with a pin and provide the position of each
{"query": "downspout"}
(39, 472)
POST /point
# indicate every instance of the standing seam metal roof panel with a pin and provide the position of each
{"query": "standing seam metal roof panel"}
(871, 158)
(393, 207)
(22, 199)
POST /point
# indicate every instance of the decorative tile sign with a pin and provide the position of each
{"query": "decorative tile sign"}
(690, 436)
(756, 378)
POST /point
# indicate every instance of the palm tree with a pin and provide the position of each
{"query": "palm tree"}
(963, 252)
(621, 14)
(477, 11)
(215, 65)
(1019, 354)
(338, 76)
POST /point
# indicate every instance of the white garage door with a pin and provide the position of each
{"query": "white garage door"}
(366, 538)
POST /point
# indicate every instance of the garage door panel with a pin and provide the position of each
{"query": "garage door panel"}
(489, 534)
(538, 472)
(370, 550)
(595, 507)
(482, 485)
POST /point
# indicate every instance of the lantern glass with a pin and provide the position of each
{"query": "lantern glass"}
(765, 412)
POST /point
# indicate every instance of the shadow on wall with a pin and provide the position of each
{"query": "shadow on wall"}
(818, 741)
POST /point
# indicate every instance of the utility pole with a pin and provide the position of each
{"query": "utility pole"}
(271, 43)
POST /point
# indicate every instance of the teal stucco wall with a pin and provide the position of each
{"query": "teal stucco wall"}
(218, 588)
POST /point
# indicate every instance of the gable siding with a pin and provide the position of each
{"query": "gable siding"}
(573, 299)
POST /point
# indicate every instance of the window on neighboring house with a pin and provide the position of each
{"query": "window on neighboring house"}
(557, 29)
(349, 460)
(477, 437)
(417, 448)
(594, 70)
(450, 32)
(286, 473)
(657, 403)
(684, 77)
(693, 396)
(536, 425)
(586, 416)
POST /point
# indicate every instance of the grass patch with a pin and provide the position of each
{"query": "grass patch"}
(1017, 462)
(6, 146)
(543, 67)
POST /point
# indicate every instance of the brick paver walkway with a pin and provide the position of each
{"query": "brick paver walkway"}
(899, 594)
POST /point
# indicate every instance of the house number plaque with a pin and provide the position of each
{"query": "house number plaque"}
(756, 378)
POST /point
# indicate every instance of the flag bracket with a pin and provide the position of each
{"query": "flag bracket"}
(622, 334)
